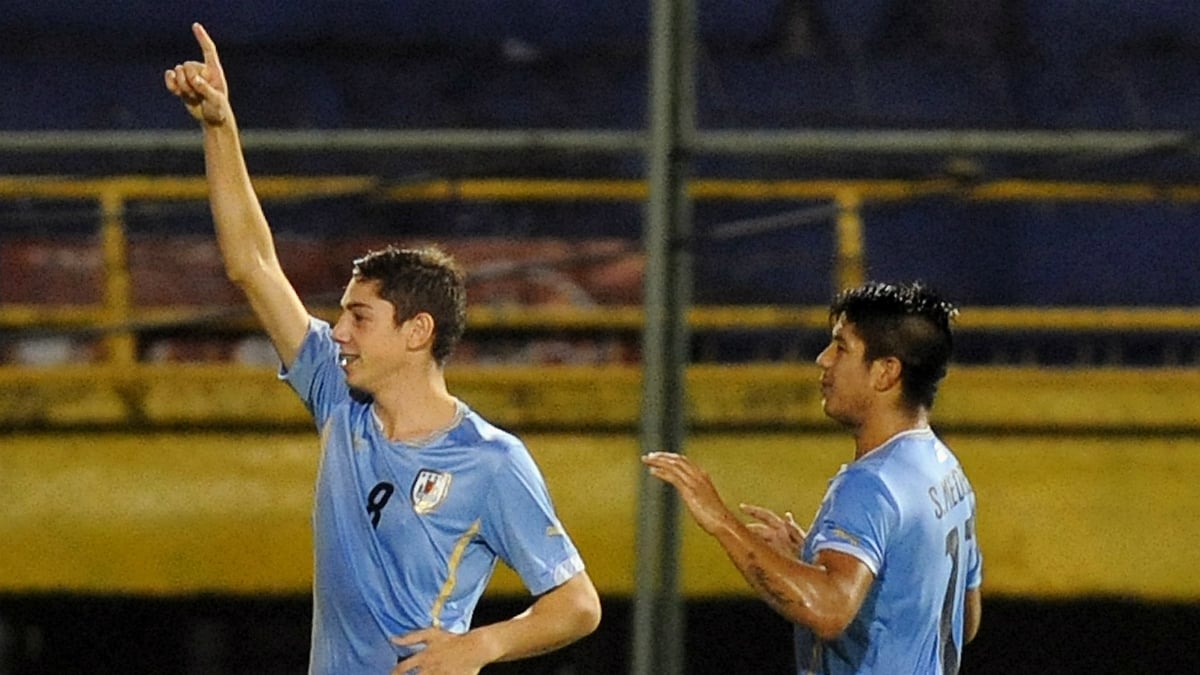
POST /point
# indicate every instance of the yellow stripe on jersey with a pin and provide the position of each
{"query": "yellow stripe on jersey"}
(452, 578)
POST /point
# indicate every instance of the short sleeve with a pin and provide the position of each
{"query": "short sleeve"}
(857, 518)
(315, 375)
(522, 528)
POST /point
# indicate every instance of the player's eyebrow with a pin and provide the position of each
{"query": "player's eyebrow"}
(356, 305)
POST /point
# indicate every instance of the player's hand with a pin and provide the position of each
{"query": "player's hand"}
(695, 488)
(782, 533)
(201, 86)
(443, 653)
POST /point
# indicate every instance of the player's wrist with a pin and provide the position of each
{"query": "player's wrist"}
(486, 644)
(727, 526)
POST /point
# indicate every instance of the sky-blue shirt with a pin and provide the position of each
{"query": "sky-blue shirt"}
(407, 536)
(907, 511)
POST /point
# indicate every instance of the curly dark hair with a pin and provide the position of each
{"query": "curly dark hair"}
(905, 320)
(418, 280)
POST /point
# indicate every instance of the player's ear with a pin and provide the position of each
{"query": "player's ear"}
(886, 372)
(420, 331)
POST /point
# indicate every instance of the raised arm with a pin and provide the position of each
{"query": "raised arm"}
(243, 234)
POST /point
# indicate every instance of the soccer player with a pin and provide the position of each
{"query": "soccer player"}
(887, 578)
(417, 496)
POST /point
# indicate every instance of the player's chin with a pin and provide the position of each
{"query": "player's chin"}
(833, 412)
(353, 378)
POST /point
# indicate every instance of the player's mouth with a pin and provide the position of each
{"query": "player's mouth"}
(345, 360)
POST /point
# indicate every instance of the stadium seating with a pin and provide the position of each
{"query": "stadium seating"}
(581, 64)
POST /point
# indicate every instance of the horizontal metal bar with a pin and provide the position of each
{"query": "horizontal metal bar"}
(1099, 320)
(329, 140)
(628, 190)
(718, 142)
(912, 141)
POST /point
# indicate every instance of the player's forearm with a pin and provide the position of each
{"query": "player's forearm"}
(246, 243)
(555, 620)
(800, 592)
(973, 614)
(242, 231)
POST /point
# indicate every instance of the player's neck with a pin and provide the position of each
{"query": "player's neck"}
(884, 424)
(415, 407)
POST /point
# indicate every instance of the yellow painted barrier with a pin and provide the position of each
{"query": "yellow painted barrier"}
(767, 395)
(174, 513)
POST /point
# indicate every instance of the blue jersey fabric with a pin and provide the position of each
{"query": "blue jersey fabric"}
(907, 511)
(405, 536)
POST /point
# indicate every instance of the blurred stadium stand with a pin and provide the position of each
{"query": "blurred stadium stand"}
(768, 64)
(580, 64)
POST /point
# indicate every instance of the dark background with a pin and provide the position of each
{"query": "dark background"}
(222, 635)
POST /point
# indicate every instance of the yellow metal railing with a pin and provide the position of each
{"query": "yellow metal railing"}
(117, 318)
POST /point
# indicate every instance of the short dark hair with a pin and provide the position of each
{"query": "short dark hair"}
(424, 279)
(907, 321)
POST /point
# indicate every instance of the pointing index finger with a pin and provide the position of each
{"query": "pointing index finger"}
(207, 46)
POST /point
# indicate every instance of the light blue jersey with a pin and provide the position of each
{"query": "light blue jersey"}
(406, 536)
(907, 511)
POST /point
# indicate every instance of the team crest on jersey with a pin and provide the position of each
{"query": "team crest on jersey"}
(429, 489)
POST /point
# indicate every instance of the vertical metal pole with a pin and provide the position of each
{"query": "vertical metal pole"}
(120, 347)
(658, 631)
(851, 251)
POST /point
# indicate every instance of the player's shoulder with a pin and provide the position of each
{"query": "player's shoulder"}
(893, 463)
(905, 449)
(862, 476)
(922, 437)
(488, 437)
